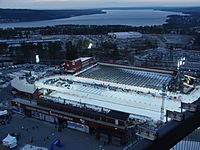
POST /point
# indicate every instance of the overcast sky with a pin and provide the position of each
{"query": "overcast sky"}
(65, 4)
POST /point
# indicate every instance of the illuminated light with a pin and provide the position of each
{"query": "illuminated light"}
(189, 81)
(90, 46)
(37, 58)
(190, 77)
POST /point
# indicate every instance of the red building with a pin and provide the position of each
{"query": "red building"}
(74, 66)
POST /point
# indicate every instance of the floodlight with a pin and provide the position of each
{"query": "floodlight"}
(37, 58)
(90, 46)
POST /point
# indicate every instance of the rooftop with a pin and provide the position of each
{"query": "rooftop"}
(83, 59)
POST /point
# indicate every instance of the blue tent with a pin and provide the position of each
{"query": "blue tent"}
(56, 143)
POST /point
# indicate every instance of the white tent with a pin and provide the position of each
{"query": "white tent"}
(10, 141)
(5, 112)
(32, 147)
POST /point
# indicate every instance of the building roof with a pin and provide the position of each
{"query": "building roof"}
(126, 34)
(83, 59)
(23, 86)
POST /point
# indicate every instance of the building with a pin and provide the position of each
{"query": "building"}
(73, 66)
(125, 35)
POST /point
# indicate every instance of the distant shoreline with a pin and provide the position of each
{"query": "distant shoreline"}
(28, 15)
(59, 17)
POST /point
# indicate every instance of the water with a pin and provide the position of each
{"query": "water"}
(134, 17)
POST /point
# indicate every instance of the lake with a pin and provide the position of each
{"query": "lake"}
(132, 17)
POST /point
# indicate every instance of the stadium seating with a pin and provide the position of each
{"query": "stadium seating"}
(127, 76)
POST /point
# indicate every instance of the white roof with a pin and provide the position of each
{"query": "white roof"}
(9, 139)
(83, 59)
(126, 34)
(32, 147)
(22, 85)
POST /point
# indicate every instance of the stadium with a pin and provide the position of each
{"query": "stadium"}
(103, 99)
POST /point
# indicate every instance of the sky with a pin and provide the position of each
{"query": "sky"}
(69, 4)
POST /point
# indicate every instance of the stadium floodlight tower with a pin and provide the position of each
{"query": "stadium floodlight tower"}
(164, 89)
(181, 62)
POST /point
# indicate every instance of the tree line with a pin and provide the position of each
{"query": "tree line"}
(76, 30)
(26, 52)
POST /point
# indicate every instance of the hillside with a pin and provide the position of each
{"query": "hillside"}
(23, 15)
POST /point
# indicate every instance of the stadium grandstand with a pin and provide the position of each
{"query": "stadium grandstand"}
(107, 100)
(123, 75)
